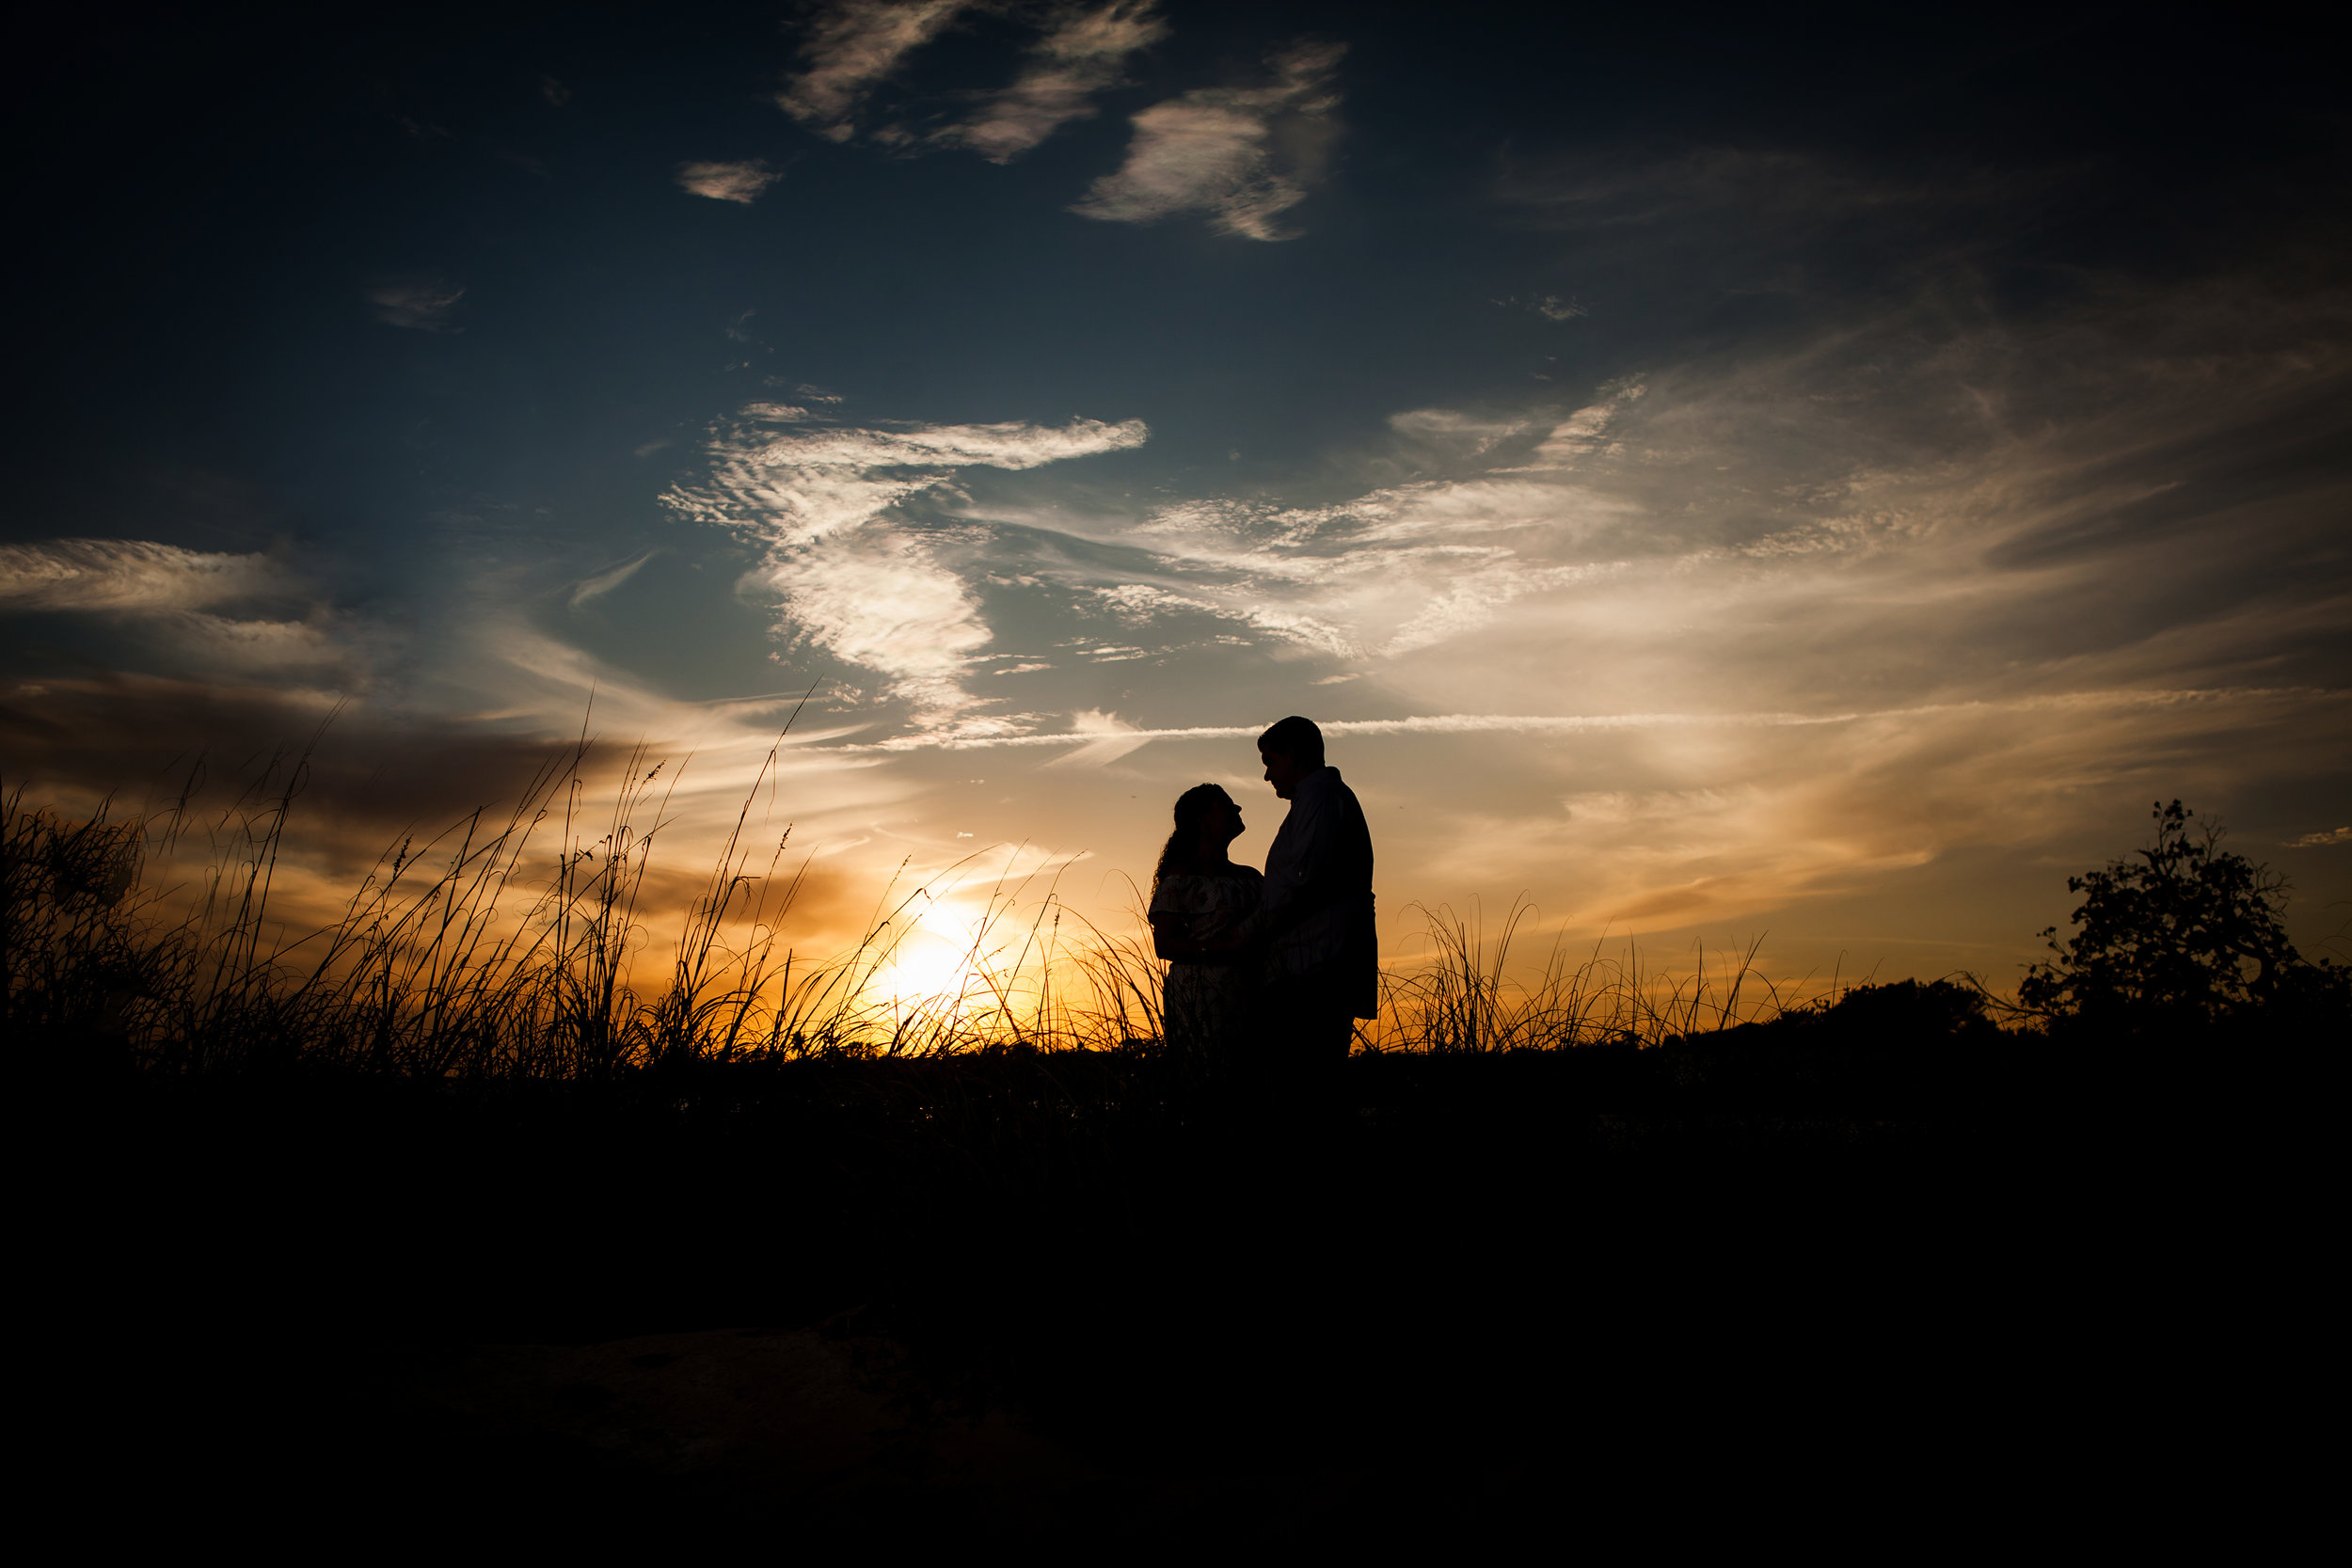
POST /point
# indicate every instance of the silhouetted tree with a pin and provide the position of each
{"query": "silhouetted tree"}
(2187, 932)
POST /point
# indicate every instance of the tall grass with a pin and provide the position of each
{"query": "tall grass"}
(521, 947)
(1463, 995)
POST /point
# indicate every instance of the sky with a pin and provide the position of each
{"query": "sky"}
(1811, 476)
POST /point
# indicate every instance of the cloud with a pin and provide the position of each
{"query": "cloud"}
(1082, 52)
(1138, 602)
(1904, 504)
(1473, 508)
(589, 590)
(883, 601)
(851, 578)
(1394, 571)
(1452, 432)
(2212, 699)
(2314, 841)
(377, 774)
(1397, 569)
(162, 607)
(1103, 738)
(254, 649)
(1240, 156)
(910, 446)
(130, 575)
(1580, 433)
(722, 181)
(797, 489)
(853, 46)
(422, 305)
(1651, 820)
(856, 45)
(1552, 307)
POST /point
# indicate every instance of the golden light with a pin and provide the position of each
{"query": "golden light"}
(930, 963)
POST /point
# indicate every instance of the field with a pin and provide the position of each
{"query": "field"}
(437, 1221)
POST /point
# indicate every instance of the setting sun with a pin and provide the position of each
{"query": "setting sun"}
(927, 968)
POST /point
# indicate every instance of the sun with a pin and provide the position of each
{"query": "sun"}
(926, 966)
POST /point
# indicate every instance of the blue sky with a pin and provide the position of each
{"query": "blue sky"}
(1818, 474)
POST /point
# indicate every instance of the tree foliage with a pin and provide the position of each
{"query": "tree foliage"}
(2186, 932)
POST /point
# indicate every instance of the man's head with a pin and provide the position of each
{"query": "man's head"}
(1291, 749)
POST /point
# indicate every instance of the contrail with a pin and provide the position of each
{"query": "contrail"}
(1437, 724)
(1106, 744)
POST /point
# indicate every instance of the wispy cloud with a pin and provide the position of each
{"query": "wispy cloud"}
(1083, 53)
(724, 182)
(848, 576)
(1787, 614)
(882, 600)
(1100, 738)
(422, 305)
(1650, 820)
(169, 606)
(1239, 156)
(1401, 568)
(1552, 307)
(852, 49)
(130, 575)
(592, 588)
(1095, 731)
(1882, 503)
(301, 650)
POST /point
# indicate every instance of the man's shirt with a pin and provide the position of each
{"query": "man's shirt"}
(1317, 906)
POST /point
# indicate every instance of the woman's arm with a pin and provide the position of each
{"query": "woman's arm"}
(1227, 930)
(1172, 936)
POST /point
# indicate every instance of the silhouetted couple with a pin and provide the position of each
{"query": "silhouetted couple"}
(1268, 973)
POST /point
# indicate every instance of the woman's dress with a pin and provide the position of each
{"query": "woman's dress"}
(1208, 1001)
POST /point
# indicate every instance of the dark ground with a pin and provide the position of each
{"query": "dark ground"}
(1784, 1280)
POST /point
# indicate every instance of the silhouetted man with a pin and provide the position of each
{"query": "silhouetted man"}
(1314, 920)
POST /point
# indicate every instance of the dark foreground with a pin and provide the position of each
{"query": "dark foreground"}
(1791, 1277)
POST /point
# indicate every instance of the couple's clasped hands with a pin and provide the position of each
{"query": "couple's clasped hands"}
(1224, 939)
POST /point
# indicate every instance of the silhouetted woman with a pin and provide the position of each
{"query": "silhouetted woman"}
(1199, 897)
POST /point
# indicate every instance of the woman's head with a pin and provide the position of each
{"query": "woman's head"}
(1202, 805)
(1206, 821)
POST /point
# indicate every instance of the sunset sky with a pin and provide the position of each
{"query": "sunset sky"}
(1808, 474)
